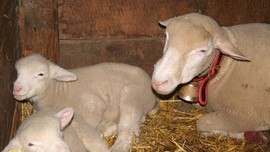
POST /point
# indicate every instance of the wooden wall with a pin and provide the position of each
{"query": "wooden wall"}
(84, 32)
(93, 31)
(9, 53)
(39, 28)
(94, 19)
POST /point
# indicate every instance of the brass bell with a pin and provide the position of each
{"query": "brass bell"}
(189, 92)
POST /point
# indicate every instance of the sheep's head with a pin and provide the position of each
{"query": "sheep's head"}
(42, 133)
(190, 40)
(34, 76)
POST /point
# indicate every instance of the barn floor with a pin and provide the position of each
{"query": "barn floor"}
(174, 129)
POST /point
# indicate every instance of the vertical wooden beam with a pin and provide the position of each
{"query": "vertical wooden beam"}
(38, 28)
(38, 33)
(9, 53)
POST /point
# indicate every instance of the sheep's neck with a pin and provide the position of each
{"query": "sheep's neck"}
(54, 91)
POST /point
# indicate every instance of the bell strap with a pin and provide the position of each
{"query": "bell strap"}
(203, 89)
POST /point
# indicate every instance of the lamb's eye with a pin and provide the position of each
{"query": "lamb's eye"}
(203, 51)
(40, 75)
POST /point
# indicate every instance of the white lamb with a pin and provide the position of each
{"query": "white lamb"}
(41, 132)
(109, 97)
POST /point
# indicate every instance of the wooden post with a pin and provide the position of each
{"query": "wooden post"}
(9, 53)
(38, 28)
(38, 33)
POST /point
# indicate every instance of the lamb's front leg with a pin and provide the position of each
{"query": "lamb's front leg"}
(129, 123)
(108, 124)
(90, 137)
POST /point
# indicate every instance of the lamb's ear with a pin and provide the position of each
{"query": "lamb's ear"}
(223, 43)
(166, 22)
(61, 74)
(65, 116)
(14, 145)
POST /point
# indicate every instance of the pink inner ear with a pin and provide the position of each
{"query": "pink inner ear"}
(65, 116)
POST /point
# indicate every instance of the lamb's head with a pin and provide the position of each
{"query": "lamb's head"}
(42, 133)
(35, 74)
(190, 41)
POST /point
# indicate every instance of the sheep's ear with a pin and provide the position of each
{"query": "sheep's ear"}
(166, 22)
(14, 145)
(61, 74)
(65, 116)
(226, 46)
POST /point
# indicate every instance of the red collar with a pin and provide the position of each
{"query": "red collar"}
(203, 89)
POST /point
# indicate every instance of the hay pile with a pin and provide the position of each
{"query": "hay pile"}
(174, 130)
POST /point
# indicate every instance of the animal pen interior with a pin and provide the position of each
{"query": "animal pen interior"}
(85, 32)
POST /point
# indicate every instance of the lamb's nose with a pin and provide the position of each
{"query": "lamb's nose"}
(17, 89)
(159, 83)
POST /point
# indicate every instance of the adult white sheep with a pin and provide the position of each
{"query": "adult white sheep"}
(42, 132)
(110, 97)
(239, 95)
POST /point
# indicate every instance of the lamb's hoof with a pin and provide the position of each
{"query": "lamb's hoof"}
(123, 146)
(256, 137)
(107, 129)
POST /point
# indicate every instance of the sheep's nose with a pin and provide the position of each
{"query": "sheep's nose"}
(159, 83)
(17, 89)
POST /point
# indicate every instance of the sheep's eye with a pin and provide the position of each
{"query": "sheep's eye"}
(30, 144)
(40, 75)
(203, 51)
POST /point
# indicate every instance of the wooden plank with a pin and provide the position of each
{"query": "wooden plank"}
(38, 28)
(231, 12)
(9, 53)
(87, 19)
(96, 19)
(141, 52)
